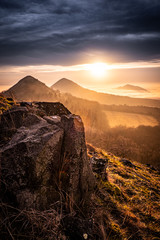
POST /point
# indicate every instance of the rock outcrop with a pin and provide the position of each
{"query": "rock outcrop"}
(44, 159)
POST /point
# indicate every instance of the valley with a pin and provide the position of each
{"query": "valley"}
(128, 120)
(67, 86)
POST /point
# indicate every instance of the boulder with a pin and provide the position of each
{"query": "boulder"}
(30, 165)
(53, 108)
(53, 119)
(45, 161)
(99, 166)
(99, 162)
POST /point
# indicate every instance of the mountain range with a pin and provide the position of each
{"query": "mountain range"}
(68, 86)
(31, 89)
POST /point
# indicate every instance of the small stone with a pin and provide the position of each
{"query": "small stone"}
(85, 236)
(127, 163)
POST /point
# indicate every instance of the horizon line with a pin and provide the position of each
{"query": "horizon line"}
(79, 67)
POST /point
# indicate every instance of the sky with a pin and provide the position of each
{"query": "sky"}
(52, 39)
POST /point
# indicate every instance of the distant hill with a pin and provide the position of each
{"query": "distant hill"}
(65, 85)
(132, 88)
(31, 89)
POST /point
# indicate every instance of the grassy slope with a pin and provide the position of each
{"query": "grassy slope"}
(129, 202)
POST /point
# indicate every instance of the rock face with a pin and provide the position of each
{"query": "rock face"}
(55, 108)
(10, 121)
(44, 160)
(75, 162)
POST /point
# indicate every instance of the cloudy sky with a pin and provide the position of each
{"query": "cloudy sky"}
(45, 37)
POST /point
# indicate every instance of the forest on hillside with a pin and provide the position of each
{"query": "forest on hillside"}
(140, 143)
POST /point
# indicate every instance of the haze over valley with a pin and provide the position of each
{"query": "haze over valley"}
(119, 124)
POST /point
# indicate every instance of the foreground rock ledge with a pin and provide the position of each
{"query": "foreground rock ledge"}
(45, 159)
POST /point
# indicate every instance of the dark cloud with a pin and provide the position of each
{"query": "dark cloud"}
(7, 4)
(58, 31)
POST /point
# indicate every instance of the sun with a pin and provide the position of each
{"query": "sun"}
(98, 69)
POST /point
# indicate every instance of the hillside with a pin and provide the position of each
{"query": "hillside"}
(116, 128)
(52, 188)
(65, 85)
(31, 89)
(128, 201)
(132, 88)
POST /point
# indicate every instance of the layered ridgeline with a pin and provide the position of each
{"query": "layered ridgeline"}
(65, 85)
(31, 89)
(53, 186)
(127, 131)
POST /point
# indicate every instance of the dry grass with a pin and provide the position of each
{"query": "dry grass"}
(129, 200)
(29, 224)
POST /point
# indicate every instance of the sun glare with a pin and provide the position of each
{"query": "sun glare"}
(98, 69)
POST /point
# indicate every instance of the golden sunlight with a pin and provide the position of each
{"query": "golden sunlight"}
(98, 69)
